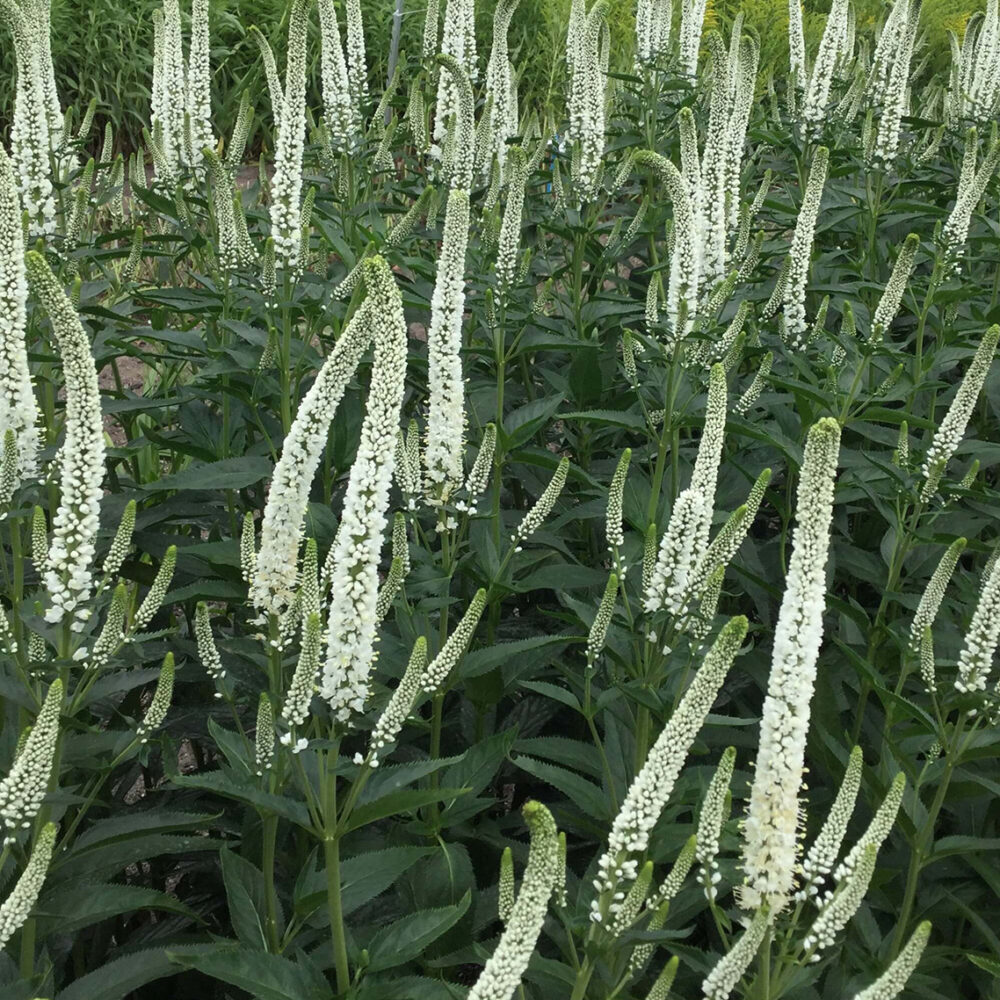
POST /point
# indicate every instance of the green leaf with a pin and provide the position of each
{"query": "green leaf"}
(409, 937)
(262, 975)
(583, 793)
(228, 474)
(66, 912)
(117, 979)
(246, 894)
(400, 802)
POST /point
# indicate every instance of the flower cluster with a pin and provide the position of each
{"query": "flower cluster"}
(69, 567)
(275, 574)
(652, 786)
(831, 52)
(599, 629)
(510, 228)
(714, 813)
(587, 101)
(501, 86)
(446, 419)
(888, 305)
(800, 252)
(22, 790)
(18, 409)
(459, 42)
(981, 640)
(16, 908)
(441, 666)
(652, 30)
(31, 127)
(159, 705)
(933, 595)
(504, 968)
(533, 520)
(822, 855)
(352, 563)
(971, 188)
(772, 821)
(951, 430)
(286, 185)
(890, 984)
(728, 971)
(390, 722)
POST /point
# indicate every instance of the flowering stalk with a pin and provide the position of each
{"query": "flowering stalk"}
(340, 112)
(446, 420)
(18, 409)
(801, 249)
(652, 786)
(24, 787)
(17, 907)
(286, 185)
(503, 970)
(68, 570)
(772, 822)
(352, 564)
(685, 261)
(891, 983)
(951, 430)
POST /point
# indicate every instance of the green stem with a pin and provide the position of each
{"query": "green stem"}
(331, 855)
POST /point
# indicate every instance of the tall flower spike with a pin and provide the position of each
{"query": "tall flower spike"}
(300, 691)
(822, 855)
(264, 737)
(286, 185)
(588, 103)
(652, 786)
(533, 520)
(616, 496)
(248, 549)
(756, 387)
(22, 790)
(340, 112)
(685, 261)
(706, 467)
(502, 87)
(120, 544)
(199, 87)
(660, 990)
(390, 722)
(728, 971)
(669, 584)
(157, 591)
(981, 640)
(842, 904)
(800, 252)
(357, 67)
(457, 44)
(207, 651)
(68, 572)
(160, 704)
(891, 983)
(510, 229)
(17, 907)
(18, 409)
(352, 564)
(505, 887)
(479, 475)
(971, 187)
(952, 429)
(599, 629)
(888, 305)
(714, 813)
(441, 666)
(877, 831)
(446, 419)
(504, 968)
(818, 92)
(896, 97)
(276, 574)
(933, 595)
(796, 44)
(772, 822)
(30, 139)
